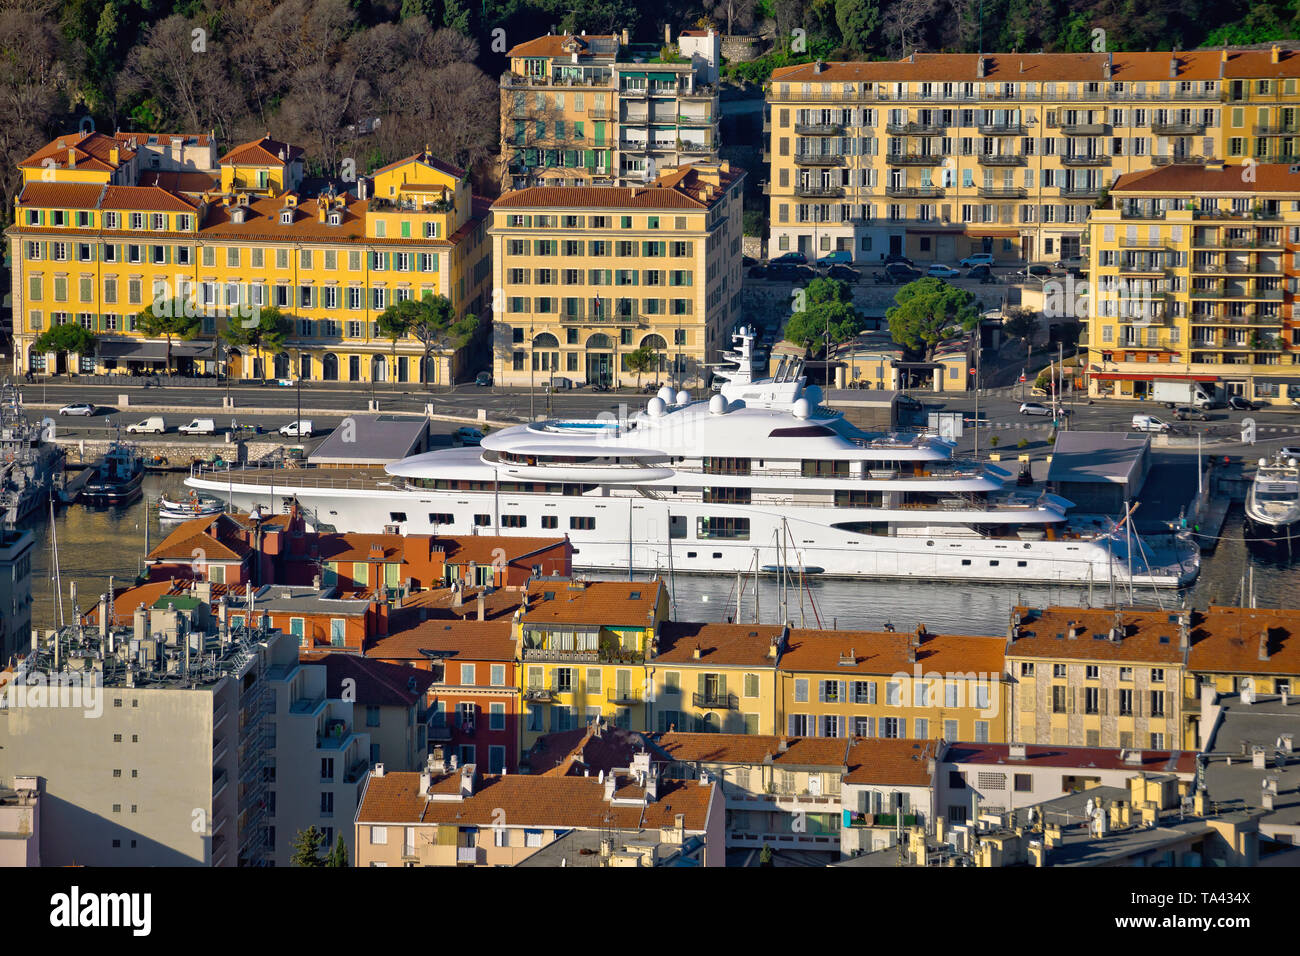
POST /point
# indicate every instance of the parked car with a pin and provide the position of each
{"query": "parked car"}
(200, 426)
(1072, 263)
(789, 272)
(941, 271)
(1290, 451)
(483, 378)
(1185, 414)
(977, 259)
(790, 259)
(758, 272)
(1038, 272)
(910, 403)
(902, 272)
(1149, 423)
(78, 408)
(747, 261)
(1034, 408)
(898, 257)
(843, 273)
(153, 425)
(466, 435)
(1239, 404)
(983, 273)
(840, 257)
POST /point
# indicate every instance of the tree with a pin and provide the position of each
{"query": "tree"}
(395, 324)
(828, 309)
(306, 848)
(857, 20)
(68, 337)
(640, 360)
(339, 855)
(736, 13)
(1021, 323)
(928, 311)
(266, 330)
(168, 319)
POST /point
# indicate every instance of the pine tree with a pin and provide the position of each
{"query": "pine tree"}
(306, 848)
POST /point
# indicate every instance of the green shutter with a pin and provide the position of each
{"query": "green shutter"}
(701, 681)
(722, 685)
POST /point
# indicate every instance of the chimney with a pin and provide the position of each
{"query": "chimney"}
(72, 158)
(1275, 55)
(378, 770)
(426, 780)
(980, 68)
(320, 210)
(482, 613)
(114, 156)
(695, 653)
(467, 781)
(1016, 751)
(315, 582)
(140, 624)
(103, 614)
(818, 66)
(1173, 66)
(203, 591)
(668, 38)
(624, 38)
(1263, 645)
(1108, 68)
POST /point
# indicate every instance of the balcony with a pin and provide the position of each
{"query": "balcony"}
(1084, 129)
(819, 192)
(624, 695)
(1005, 159)
(1002, 192)
(1141, 268)
(914, 159)
(1179, 159)
(600, 113)
(356, 771)
(1081, 192)
(542, 695)
(1178, 129)
(915, 129)
(696, 122)
(712, 700)
(694, 148)
(1002, 129)
(914, 192)
(818, 159)
(818, 129)
(1287, 129)
(466, 856)
(1085, 160)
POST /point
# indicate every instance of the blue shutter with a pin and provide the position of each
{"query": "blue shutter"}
(792, 730)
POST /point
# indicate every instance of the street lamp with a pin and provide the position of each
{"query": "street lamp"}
(299, 378)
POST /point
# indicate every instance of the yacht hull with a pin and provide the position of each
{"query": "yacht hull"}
(633, 531)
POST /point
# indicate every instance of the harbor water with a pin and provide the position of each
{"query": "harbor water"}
(96, 542)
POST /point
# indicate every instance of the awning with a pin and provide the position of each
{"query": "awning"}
(1291, 381)
(152, 351)
(1151, 377)
(993, 233)
(933, 229)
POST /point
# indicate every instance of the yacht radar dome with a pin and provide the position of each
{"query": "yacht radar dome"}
(656, 407)
(717, 405)
(802, 409)
(666, 395)
(683, 397)
(814, 395)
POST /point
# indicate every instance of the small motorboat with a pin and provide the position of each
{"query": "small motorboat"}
(182, 509)
(117, 478)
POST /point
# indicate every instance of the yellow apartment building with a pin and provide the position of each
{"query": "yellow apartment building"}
(716, 678)
(888, 684)
(584, 275)
(583, 652)
(579, 110)
(105, 226)
(1194, 267)
(1094, 678)
(938, 156)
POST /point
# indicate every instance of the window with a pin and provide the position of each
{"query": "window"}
(532, 838)
(467, 674)
(378, 836)
(496, 718)
(893, 694)
(1058, 699)
(1126, 703)
(801, 690)
(864, 692)
(751, 685)
(579, 523)
(327, 803)
(1058, 670)
(498, 675)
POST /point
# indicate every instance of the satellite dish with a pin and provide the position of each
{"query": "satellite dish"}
(1089, 807)
(802, 409)
(666, 394)
(684, 398)
(656, 407)
(717, 405)
(600, 777)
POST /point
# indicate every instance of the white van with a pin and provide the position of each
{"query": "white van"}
(299, 429)
(152, 425)
(1149, 423)
(200, 426)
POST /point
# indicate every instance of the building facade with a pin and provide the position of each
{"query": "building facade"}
(586, 275)
(97, 239)
(938, 156)
(593, 110)
(1195, 278)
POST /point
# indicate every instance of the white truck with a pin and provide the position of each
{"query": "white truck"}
(1180, 393)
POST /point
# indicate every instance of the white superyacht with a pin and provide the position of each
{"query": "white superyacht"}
(759, 478)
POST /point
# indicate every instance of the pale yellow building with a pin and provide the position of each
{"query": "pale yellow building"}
(1194, 274)
(584, 275)
(938, 156)
(107, 226)
(716, 678)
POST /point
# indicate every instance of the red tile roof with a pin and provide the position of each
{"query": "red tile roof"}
(195, 535)
(553, 45)
(91, 151)
(730, 645)
(545, 802)
(893, 761)
(582, 751)
(1187, 180)
(886, 652)
(428, 159)
(596, 603)
(1146, 637)
(455, 640)
(144, 197)
(61, 195)
(1226, 640)
(1077, 758)
(683, 189)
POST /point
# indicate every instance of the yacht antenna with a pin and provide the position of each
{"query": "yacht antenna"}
(54, 548)
(672, 575)
(756, 585)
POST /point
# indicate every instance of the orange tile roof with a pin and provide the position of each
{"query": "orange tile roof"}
(180, 182)
(91, 150)
(426, 157)
(136, 140)
(1149, 637)
(894, 761)
(580, 752)
(360, 547)
(144, 197)
(682, 189)
(61, 195)
(437, 605)
(553, 44)
(534, 801)
(1091, 758)
(597, 603)
(1188, 180)
(486, 548)
(193, 535)
(1226, 640)
(1145, 66)
(262, 152)
(728, 645)
(886, 652)
(719, 748)
(456, 640)
(127, 599)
